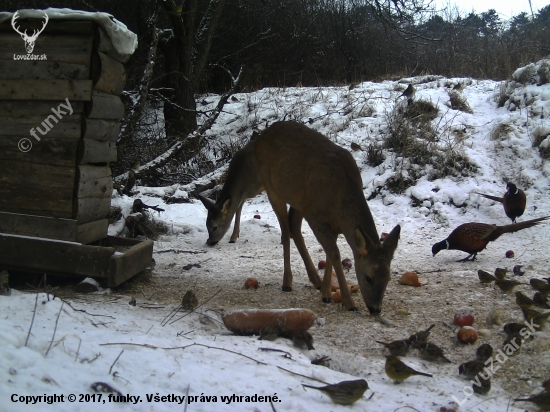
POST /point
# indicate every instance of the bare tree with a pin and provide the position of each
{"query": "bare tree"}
(186, 47)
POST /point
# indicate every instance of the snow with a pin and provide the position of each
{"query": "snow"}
(143, 351)
(124, 41)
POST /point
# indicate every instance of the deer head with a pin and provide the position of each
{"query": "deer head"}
(218, 220)
(29, 40)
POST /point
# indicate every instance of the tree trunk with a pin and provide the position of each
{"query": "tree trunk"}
(186, 54)
(180, 113)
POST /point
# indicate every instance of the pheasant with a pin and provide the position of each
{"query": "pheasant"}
(472, 238)
(514, 201)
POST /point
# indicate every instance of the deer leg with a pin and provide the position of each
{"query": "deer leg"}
(295, 218)
(236, 226)
(326, 287)
(279, 207)
(327, 238)
(347, 300)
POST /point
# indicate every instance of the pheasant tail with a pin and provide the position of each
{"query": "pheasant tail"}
(495, 198)
(514, 227)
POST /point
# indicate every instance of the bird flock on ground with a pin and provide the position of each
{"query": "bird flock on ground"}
(471, 238)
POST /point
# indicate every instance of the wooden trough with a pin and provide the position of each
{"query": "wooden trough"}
(59, 122)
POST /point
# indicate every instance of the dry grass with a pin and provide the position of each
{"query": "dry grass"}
(540, 133)
(421, 148)
(500, 131)
(458, 102)
(374, 155)
(502, 95)
(115, 214)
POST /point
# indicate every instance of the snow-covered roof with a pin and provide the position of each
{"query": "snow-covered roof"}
(124, 40)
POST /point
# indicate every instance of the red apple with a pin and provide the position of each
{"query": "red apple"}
(322, 264)
(251, 283)
(337, 297)
(510, 254)
(467, 334)
(346, 263)
(257, 217)
(463, 318)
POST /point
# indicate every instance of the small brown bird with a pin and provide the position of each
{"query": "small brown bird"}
(540, 285)
(189, 301)
(500, 273)
(537, 317)
(485, 277)
(129, 183)
(418, 339)
(397, 347)
(542, 400)
(483, 387)
(484, 352)
(507, 285)
(345, 392)
(409, 92)
(432, 352)
(303, 340)
(541, 300)
(398, 371)
(513, 328)
(472, 238)
(514, 340)
(269, 332)
(514, 332)
(513, 201)
(524, 301)
(471, 369)
(355, 147)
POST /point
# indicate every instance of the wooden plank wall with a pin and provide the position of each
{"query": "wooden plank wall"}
(66, 174)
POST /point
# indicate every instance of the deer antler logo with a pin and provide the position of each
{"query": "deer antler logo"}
(29, 40)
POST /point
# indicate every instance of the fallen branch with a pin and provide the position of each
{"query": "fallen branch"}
(179, 144)
(117, 358)
(146, 345)
(287, 354)
(193, 252)
(82, 310)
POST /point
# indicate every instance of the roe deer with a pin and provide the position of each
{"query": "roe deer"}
(242, 182)
(322, 183)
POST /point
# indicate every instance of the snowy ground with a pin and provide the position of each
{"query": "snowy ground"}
(140, 352)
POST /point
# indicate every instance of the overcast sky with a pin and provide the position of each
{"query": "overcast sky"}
(507, 8)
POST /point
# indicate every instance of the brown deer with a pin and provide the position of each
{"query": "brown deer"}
(322, 183)
(243, 182)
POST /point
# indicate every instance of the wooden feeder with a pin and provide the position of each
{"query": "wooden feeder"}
(55, 198)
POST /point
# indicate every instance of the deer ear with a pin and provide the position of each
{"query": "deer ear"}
(225, 206)
(390, 243)
(362, 241)
(208, 204)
